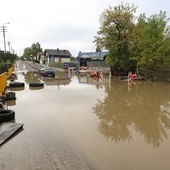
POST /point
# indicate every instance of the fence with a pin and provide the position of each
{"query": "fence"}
(157, 73)
(161, 73)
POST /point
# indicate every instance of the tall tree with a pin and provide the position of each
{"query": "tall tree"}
(32, 51)
(153, 38)
(116, 33)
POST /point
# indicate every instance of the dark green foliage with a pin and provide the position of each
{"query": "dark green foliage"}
(32, 51)
(133, 43)
(7, 60)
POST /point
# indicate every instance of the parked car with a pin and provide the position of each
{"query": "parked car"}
(41, 70)
(47, 72)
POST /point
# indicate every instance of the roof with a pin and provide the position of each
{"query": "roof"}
(92, 55)
(57, 52)
(40, 53)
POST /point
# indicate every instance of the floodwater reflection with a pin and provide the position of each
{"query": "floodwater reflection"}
(111, 124)
(36, 88)
(31, 77)
(120, 112)
(98, 82)
(60, 79)
(55, 81)
(10, 102)
(16, 88)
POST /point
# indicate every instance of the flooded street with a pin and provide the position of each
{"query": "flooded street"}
(83, 123)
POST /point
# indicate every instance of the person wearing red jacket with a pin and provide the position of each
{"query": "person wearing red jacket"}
(131, 76)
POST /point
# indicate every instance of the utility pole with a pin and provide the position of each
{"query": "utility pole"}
(4, 29)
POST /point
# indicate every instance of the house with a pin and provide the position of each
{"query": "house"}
(40, 57)
(57, 55)
(84, 57)
(93, 61)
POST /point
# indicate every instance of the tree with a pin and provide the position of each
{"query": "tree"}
(116, 33)
(32, 51)
(98, 49)
(10, 58)
(7, 60)
(3, 66)
(152, 45)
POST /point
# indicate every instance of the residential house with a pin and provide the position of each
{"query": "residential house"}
(57, 55)
(40, 57)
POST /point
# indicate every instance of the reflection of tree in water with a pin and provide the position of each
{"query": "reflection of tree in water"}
(121, 112)
(31, 77)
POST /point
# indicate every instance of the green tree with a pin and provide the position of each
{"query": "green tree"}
(98, 49)
(116, 33)
(166, 57)
(152, 45)
(32, 51)
(3, 66)
(7, 60)
(10, 59)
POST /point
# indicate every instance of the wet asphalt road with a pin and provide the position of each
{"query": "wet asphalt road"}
(39, 149)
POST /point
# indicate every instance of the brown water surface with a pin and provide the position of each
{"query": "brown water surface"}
(112, 125)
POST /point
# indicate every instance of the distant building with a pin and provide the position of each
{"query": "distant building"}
(84, 57)
(40, 57)
(57, 55)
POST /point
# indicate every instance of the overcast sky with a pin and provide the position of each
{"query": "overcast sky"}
(63, 24)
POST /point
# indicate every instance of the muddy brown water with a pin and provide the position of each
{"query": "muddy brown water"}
(85, 123)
